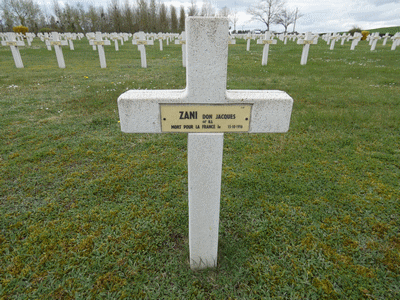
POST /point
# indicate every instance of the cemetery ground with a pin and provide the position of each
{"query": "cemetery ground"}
(89, 212)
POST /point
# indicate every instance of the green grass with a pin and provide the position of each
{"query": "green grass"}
(392, 30)
(88, 212)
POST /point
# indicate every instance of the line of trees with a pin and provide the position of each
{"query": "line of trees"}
(140, 15)
(274, 12)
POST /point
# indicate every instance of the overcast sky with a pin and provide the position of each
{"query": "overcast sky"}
(318, 15)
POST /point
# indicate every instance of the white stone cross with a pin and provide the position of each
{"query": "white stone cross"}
(356, 38)
(46, 38)
(333, 38)
(114, 36)
(70, 37)
(396, 41)
(160, 37)
(57, 43)
(141, 42)
(285, 38)
(267, 40)
(306, 42)
(100, 43)
(201, 109)
(10, 40)
(248, 38)
(91, 36)
(344, 37)
(385, 38)
(182, 41)
(374, 40)
(29, 37)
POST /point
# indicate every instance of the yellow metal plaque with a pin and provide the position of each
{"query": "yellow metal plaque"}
(98, 43)
(55, 43)
(182, 42)
(11, 43)
(205, 117)
(141, 42)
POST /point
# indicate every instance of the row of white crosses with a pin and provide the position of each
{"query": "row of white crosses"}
(197, 110)
(53, 40)
(96, 39)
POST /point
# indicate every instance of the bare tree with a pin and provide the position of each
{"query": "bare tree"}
(224, 12)
(142, 13)
(285, 18)
(297, 15)
(163, 18)
(182, 17)
(207, 10)
(233, 18)
(153, 25)
(192, 9)
(266, 11)
(129, 17)
(174, 19)
(93, 19)
(115, 15)
(8, 20)
(23, 12)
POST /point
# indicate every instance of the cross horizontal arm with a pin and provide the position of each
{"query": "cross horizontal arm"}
(139, 110)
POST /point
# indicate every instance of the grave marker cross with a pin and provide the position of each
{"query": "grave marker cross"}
(11, 41)
(374, 40)
(147, 111)
(57, 43)
(182, 41)
(267, 40)
(385, 38)
(308, 40)
(141, 42)
(396, 41)
(99, 42)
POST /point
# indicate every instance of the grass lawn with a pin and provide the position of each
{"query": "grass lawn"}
(88, 212)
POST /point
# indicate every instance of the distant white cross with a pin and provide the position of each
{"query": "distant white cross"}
(160, 38)
(57, 43)
(374, 40)
(141, 42)
(333, 38)
(70, 37)
(182, 41)
(267, 40)
(308, 40)
(385, 38)
(356, 38)
(205, 109)
(100, 43)
(248, 38)
(396, 41)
